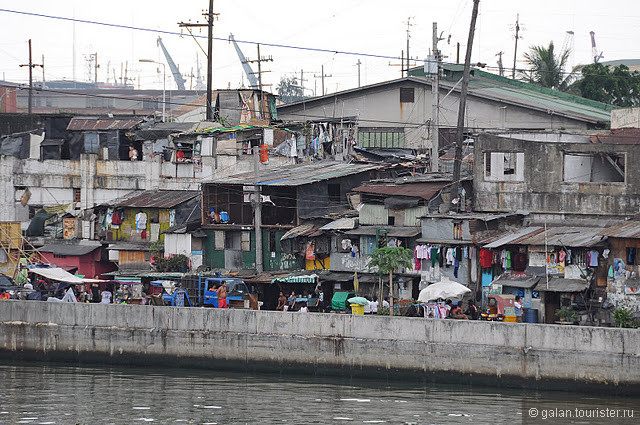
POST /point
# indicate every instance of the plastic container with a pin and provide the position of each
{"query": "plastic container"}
(357, 309)
(530, 315)
(264, 153)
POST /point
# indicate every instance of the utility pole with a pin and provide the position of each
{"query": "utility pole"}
(435, 103)
(409, 25)
(515, 52)
(43, 78)
(95, 66)
(302, 80)
(31, 65)
(322, 76)
(457, 162)
(458, 52)
(358, 65)
(500, 67)
(257, 208)
(210, 17)
(260, 71)
(401, 64)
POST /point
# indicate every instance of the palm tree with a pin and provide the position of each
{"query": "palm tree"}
(547, 68)
(388, 260)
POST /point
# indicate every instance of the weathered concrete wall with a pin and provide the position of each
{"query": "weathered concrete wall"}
(543, 189)
(522, 354)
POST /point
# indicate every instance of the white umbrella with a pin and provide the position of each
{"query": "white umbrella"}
(445, 289)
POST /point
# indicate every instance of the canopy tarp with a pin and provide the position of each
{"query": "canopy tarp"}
(306, 278)
(56, 273)
(339, 300)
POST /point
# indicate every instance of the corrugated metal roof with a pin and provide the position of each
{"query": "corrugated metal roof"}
(414, 190)
(86, 124)
(297, 175)
(558, 284)
(577, 237)
(69, 249)
(156, 199)
(630, 229)
(302, 230)
(627, 136)
(510, 237)
(346, 223)
(396, 232)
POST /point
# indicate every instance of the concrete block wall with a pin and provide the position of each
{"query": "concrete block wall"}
(531, 355)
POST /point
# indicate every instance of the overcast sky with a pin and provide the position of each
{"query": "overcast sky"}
(370, 27)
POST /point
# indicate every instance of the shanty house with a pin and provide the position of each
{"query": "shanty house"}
(289, 195)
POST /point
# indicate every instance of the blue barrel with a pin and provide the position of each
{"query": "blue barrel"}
(531, 315)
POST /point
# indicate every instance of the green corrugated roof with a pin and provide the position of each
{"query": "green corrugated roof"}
(491, 86)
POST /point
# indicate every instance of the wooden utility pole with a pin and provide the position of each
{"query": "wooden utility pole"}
(322, 76)
(515, 52)
(435, 103)
(210, 17)
(31, 65)
(500, 66)
(95, 67)
(457, 162)
(409, 25)
(260, 85)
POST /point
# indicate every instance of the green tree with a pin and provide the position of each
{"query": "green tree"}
(289, 90)
(547, 67)
(615, 86)
(388, 260)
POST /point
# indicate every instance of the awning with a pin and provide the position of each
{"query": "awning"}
(558, 284)
(517, 280)
(396, 232)
(56, 273)
(307, 278)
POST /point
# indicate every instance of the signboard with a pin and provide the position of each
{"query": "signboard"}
(69, 228)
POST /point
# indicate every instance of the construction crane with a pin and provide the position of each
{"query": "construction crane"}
(251, 76)
(594, 50)
(177, 77)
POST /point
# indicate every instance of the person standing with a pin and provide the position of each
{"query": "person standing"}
(282, 300)
(518, 307)
(373, 305)
(133, 153)
(292, 300)
(222, 295)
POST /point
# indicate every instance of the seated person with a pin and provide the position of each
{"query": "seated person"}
(456, 313)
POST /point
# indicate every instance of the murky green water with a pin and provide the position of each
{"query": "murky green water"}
(58, 394)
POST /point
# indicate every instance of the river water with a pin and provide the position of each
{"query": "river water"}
(43, 393)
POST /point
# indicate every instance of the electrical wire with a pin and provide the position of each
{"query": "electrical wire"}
(276, 45)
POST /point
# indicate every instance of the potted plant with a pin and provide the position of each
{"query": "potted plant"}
(566, 314)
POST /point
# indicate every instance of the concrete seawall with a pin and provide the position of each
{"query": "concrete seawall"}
(523, 355)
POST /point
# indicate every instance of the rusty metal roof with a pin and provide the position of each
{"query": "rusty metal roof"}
(630, 229)
(89, 124)
(297, 175)
(308, 229)
(627, 136)
(413, 190)
(155, 199)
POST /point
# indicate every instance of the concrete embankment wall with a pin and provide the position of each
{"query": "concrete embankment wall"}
(527, 355)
